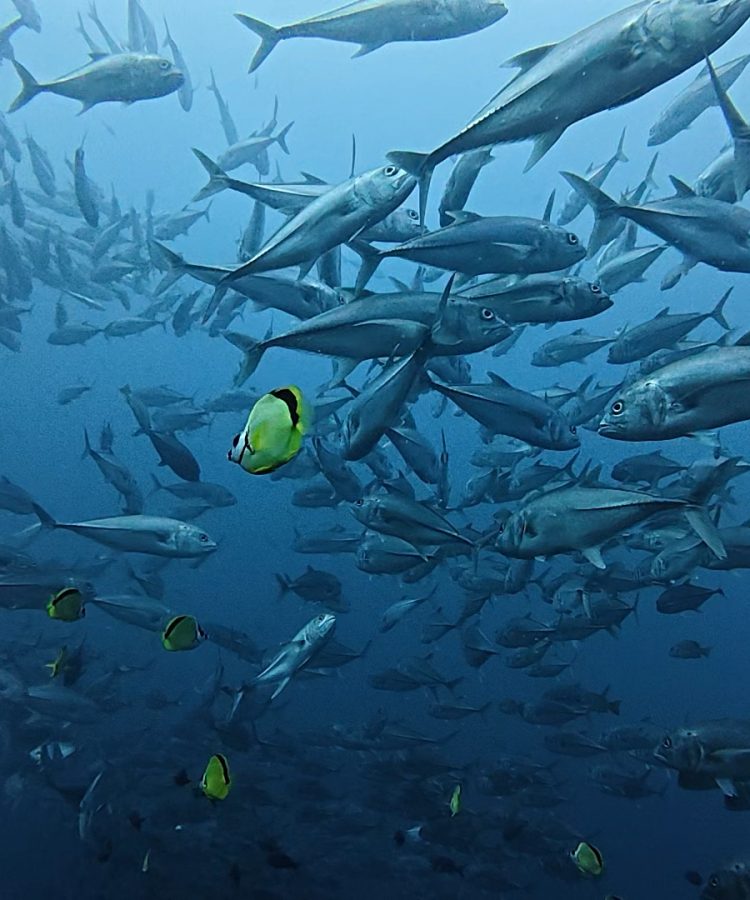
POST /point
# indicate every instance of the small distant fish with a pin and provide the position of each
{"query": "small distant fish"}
(67, 605)
(217, 781)
(182, 633)
(588, 860)
(689, 650)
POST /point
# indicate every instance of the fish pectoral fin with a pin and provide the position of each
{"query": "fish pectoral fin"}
(529, 58)
(280, 686)
(368, 48)
(594, 556)
(542, 145)
(727, 787)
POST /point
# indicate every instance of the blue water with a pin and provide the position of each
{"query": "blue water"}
(403, 96)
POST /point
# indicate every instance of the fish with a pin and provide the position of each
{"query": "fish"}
(182, 633)
(538, 95)
(373, 25)
(689, 650)
(123, 77)
(185, 91)
(154, 535)
(216, 782)
(455, 801)
(66, 605)
(274, 432)
(697, 393)
(298, 653)
(588, 860)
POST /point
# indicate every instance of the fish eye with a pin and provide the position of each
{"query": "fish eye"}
(617, 408)
(573, 429)
(164, 64)
(359, 502)
(390, 171)
(203, 538)
(713, 881)
(488, 315)
(667, 743)
(596, 289)
(412, 214)
(572, 239)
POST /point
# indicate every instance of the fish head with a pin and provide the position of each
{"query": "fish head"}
(635, 412)
(403, 225)
(587, 296)
(727, 883)
(517, 536)
(320, 628)
(194, 542)
(160, 74)
(561, 248)
(563, 435)
(480, 13)
(681, 750)
(384, 186)
(366, 510)
(467, 326)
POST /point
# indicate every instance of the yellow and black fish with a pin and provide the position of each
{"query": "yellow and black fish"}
(588, 860)
(216, 782)
(66, 605)
(273, 433)
(182, 633)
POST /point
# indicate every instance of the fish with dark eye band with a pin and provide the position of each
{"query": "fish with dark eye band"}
(274, 432)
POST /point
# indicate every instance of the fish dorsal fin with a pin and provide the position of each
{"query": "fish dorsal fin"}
(312, 179)
(744, 341)
(681, 189)
(529, 58)
(462, 216)
(496, 379)
(662, 313)
(96, 55)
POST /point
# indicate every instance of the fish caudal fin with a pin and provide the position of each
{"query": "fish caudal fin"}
(218, 180)
(30, 87)
(604, 207)
(281, 138)
(421, 166)
(44, 517)
(284, 584)
(269, 37)
(718, 313)
(253, 351)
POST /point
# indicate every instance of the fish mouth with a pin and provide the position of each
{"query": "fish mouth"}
(607, 429)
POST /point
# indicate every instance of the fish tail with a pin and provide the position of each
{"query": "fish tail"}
(253, 351)
(269, 37)
(281, 138)
(44, 517)
(87, 449)
(614, 707)
(30, 87)
(620, 155)
(284, 584)
(370, 261)
(158, 486)
(175, 264)
(421, 166)
(604, 207)
(706, 651)
(218, 180)
(718, 313)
